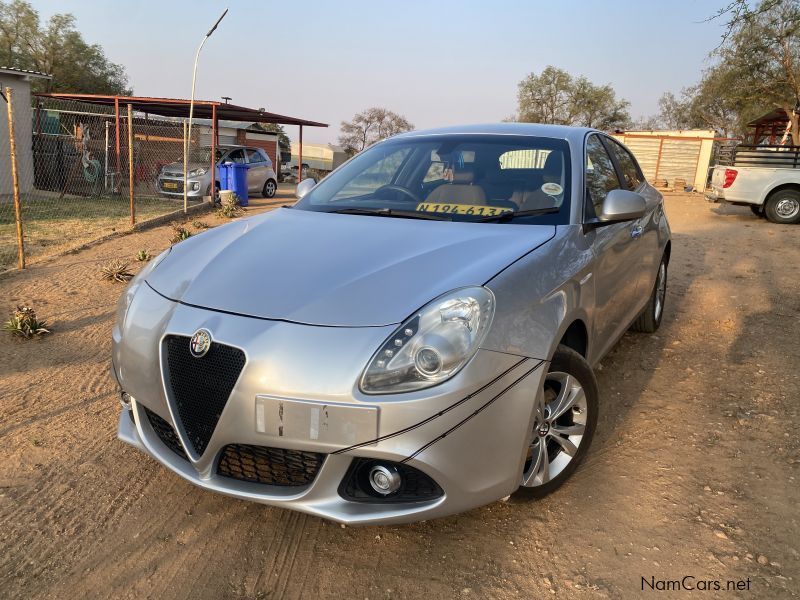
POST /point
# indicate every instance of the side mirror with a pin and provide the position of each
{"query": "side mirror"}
(622, 205)
(304, 187)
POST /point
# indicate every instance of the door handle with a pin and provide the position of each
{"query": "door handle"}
(636, 231)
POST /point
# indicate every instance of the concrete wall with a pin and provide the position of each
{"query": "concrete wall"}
(267, 141)
(23, 134)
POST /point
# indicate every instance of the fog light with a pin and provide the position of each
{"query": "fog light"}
(384, 480)
(194, 186)
(125, 399)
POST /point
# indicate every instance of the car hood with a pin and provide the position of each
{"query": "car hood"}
(337, 270)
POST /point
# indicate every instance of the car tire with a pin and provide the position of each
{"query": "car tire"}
(783, 206)
(270, 188)
(568, 374)
(215, 196)
(650, 318)
(757, 210)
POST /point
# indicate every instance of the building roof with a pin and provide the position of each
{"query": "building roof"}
(23, 72)
(176, 107)
(774, 116)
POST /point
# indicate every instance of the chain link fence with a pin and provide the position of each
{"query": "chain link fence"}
(83, 173)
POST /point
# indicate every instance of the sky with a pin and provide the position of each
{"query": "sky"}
(437, 63)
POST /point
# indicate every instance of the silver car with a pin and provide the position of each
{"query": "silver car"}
(413, 338)
(261, 177)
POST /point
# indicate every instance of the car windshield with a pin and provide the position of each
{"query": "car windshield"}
(453, 177)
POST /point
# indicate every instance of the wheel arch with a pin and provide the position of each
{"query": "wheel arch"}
(779, 188)
(576, 336)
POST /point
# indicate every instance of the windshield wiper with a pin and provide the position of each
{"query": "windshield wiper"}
(511, 215)
(391, 212)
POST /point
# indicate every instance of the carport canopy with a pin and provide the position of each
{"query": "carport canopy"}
(203, 109)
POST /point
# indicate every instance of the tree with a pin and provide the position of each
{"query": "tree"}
(370, 126)
(57, 49)
(556, 97)
(283, 139)
(759, 60)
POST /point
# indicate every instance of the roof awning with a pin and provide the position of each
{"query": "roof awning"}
(774, 116)
(175, 107)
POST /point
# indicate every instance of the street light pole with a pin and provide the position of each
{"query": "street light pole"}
(191, 113)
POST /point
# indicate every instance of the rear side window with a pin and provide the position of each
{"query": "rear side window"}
(627, 164)
(236, 156)
(601, 177)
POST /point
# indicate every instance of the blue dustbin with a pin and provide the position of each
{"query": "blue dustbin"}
(233, 176)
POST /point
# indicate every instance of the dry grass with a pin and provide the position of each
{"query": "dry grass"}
(51, 225)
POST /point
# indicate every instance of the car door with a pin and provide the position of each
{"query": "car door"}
(616, 271)
(256, 170)
(647, 241)
(234, 156)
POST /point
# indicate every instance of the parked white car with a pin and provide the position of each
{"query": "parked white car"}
(765, 178)
(261, 177)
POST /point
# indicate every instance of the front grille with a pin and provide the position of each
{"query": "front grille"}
(270, 466)
(165, 433)
(200, 386)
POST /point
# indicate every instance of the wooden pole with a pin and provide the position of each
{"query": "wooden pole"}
(185, 166)
(17, 206)
(213, 151)
(130, 163)
(118, 181)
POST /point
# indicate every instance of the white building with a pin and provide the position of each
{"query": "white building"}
(19, 81)
(322, 157)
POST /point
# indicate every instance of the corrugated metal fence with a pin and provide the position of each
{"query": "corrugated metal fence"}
(665, 156)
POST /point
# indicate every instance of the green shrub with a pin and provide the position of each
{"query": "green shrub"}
(25, 324)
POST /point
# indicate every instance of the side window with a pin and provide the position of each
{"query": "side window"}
(435, 172)
(630, 172)
(381, 172)
(254, 156)
(601, 177)
(236, 156)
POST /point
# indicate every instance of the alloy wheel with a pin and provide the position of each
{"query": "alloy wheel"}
(661, 290)
(788, 208)
(558, 428)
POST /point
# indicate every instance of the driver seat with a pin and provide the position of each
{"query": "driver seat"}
(461, 191)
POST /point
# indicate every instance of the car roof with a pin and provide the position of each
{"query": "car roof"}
(226, 147)
(566, 132)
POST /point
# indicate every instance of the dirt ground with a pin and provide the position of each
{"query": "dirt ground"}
(693, 471)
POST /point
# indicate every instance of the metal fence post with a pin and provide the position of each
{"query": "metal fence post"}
(130, 162)
(17, 207)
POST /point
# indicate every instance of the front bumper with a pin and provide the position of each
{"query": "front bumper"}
(468, 435)
(173, 186)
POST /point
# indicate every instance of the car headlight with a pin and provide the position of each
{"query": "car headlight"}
(433, 344)
(125, 300)
(197, 172)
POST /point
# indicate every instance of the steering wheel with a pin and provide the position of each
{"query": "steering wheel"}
(398, 188)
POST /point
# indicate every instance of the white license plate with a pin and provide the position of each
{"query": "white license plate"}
(334, 424)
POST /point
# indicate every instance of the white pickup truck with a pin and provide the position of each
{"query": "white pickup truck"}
(765, 178)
